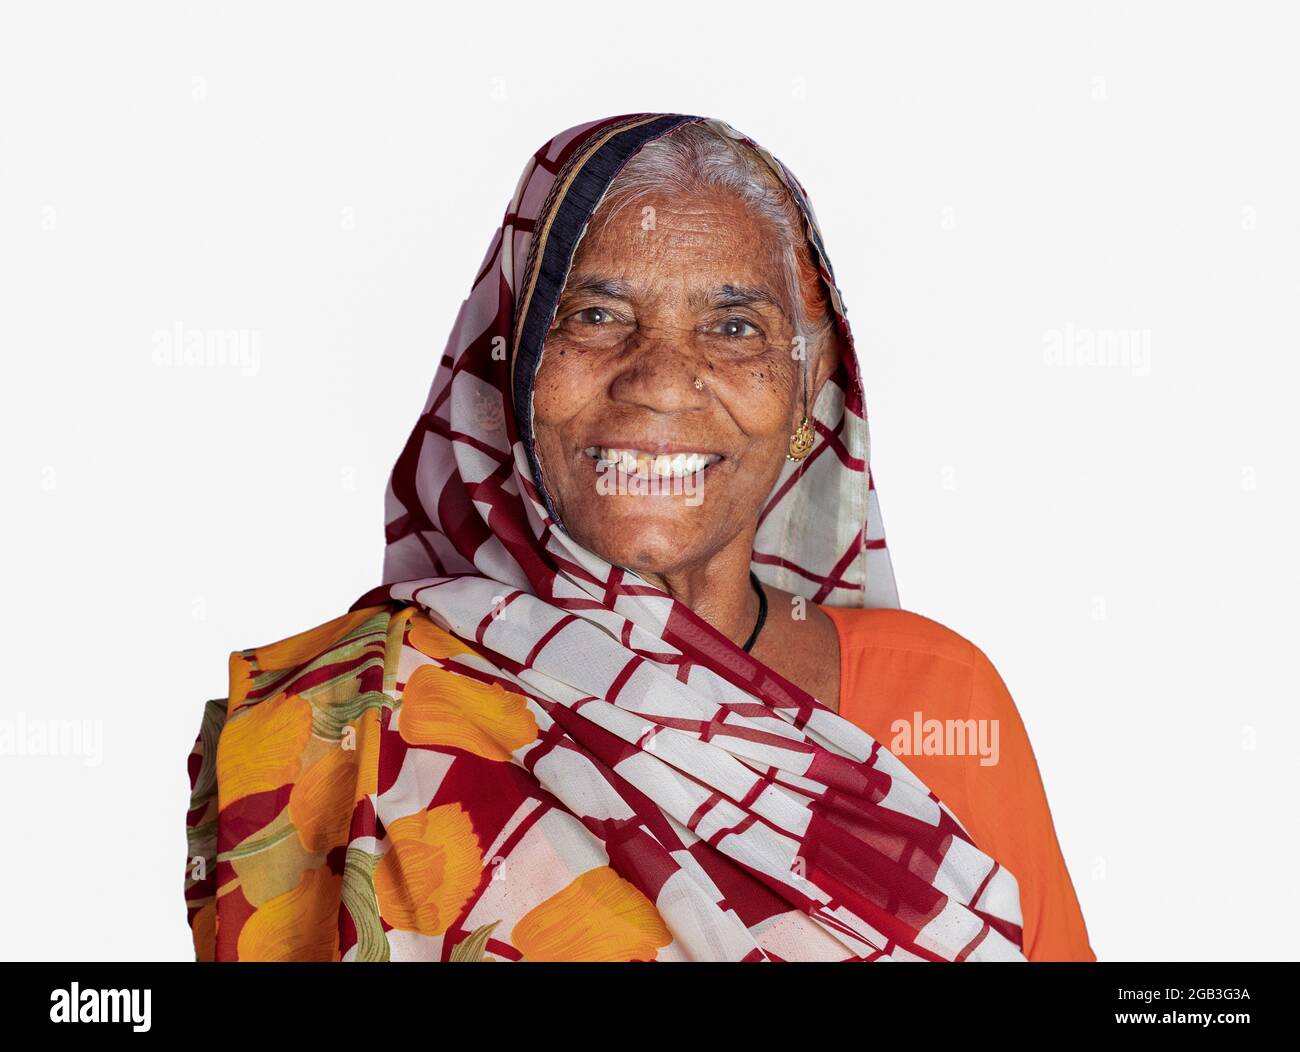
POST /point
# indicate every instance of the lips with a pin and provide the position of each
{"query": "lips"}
(645, 464)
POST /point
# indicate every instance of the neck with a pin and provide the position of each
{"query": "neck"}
(717, 589)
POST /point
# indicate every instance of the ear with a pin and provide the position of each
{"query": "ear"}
(826, 359)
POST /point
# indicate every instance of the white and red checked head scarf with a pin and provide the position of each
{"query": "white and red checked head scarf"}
(782, 830)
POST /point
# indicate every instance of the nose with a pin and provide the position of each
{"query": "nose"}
(658, 370)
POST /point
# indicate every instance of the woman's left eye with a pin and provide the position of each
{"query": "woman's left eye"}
(737, 328)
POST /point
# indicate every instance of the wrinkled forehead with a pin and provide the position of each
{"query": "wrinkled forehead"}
(682, 247)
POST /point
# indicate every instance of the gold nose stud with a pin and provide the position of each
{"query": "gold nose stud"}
(699, 384)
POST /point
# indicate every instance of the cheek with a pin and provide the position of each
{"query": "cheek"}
(560, 389)
(763, 397)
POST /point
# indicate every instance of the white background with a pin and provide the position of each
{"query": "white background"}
(1118, 537)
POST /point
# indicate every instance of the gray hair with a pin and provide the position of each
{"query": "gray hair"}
(695, 158)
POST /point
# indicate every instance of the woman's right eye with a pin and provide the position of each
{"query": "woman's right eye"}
(592, 326)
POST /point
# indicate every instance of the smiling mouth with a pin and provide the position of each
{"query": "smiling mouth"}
(642, 464)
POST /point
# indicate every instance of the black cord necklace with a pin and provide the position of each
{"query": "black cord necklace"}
(762, 611)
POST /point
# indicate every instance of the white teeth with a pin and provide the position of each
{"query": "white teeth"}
(647, 465)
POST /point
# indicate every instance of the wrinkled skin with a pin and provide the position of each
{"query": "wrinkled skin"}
(679, 339)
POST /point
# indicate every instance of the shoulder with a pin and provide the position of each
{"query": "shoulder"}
(917, 653)
(891, 629)
(348, 643)
(311, 643)
(361, 646)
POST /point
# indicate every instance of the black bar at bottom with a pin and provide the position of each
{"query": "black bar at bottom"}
(665, 1003)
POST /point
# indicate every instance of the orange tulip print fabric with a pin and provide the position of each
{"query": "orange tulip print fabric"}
(312, 761)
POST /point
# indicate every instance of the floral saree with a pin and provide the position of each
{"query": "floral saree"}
(515, 750)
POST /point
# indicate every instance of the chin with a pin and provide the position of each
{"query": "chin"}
(653, 544)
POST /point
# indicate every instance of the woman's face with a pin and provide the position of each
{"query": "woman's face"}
(672, 348)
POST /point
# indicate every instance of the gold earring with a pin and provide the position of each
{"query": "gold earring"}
(801, 442)
(699, 384)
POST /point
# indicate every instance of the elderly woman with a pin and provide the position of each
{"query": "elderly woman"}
(636, 686)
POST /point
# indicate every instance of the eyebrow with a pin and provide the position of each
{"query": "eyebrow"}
(738, 296)
(590, 284)
(723, 296)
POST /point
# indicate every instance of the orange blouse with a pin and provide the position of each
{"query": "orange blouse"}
(914, 686)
